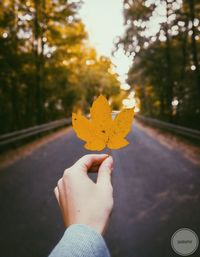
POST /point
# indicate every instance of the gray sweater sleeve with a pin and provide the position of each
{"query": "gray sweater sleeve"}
(80, 241)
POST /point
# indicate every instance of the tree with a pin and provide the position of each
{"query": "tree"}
(46, 66)
(161, 36)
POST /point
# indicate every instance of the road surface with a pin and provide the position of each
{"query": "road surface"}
(156, 192)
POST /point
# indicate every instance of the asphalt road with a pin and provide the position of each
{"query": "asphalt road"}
(156, 192)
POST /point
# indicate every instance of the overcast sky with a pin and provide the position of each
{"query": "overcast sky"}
(104, 22)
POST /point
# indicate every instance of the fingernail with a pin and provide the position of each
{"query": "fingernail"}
(109, 162)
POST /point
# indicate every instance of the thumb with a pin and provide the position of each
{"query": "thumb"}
(104, 173)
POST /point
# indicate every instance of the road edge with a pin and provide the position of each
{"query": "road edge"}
(170, 141)
(13, 155)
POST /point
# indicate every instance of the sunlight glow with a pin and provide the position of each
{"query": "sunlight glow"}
(175, 102)
(125, 86)
(104, 23)
(5, 35)
(193, 67)
(131, 101)
(137, 109)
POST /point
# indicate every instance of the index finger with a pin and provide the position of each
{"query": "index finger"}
(89, 160)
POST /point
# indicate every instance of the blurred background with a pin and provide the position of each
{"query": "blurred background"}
(57, 56)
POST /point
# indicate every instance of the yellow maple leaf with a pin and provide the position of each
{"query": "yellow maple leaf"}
(101, 130)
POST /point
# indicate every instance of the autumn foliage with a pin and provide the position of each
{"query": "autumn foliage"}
(101, 130)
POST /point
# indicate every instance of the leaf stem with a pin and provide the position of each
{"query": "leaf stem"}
(109, 151)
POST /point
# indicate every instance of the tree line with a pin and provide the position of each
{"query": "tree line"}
(47, 67)
(163, 38)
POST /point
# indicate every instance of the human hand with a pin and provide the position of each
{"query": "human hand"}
(80, 199)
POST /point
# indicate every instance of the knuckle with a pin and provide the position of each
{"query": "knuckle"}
(56, 192)
(68, 176)
(60, 183)
(66, 172)
(85, 157)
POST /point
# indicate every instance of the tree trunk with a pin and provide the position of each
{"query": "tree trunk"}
(194, 49)
(169, 89)
(14, 74)
(181, 86)
(38, 64)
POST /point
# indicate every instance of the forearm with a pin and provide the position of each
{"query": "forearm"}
(80, 241)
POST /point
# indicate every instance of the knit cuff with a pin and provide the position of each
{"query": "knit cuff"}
(81, 241)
